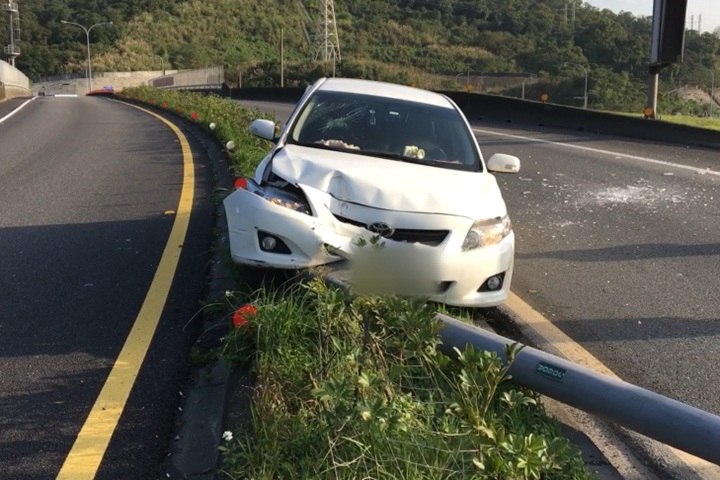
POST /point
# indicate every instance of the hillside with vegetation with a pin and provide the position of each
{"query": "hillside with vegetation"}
(422, 42)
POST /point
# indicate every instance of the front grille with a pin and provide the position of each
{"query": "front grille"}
(432, 238)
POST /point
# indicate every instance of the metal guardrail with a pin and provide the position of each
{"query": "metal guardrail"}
(668, 421)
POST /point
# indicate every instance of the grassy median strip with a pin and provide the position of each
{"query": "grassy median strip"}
(225, 119)
(351, 389)
(355, 388)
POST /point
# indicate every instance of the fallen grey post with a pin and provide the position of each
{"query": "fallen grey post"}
(686, 428)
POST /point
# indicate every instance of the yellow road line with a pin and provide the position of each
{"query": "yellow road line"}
(89, 448)
(574, 352)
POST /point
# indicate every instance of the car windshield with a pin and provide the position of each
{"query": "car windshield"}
(386, 127)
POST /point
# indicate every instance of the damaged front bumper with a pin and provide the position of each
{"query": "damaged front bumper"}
(441, 272)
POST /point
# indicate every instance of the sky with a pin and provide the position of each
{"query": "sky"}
(709, 9)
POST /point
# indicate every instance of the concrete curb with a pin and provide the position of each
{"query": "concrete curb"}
(193, 451)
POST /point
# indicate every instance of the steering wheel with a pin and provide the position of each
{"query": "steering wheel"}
(434, 152)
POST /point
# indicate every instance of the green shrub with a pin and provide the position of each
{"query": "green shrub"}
(230, 119)
(358, 389)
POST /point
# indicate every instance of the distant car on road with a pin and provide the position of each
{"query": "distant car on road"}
(361, 163)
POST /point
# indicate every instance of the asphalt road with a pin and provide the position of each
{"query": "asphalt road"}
(622, 253)
(85, 184)
(618, 243)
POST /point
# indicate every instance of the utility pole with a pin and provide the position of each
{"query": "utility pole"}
(282, 58)
(585, 92)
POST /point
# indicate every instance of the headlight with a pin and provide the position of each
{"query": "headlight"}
(285, 199)
(275, 195)
(487, 232)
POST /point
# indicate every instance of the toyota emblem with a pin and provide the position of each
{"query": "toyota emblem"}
(382, 229)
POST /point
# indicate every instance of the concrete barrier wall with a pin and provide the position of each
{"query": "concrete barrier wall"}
(9, 91)
(13, 83)
(76, 83)
(479, 107)
(204, 78)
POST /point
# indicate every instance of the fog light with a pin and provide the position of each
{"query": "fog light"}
(493, 283)
(268, 243)
(272, 244)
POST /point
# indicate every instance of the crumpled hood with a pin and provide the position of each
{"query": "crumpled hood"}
(389, 184)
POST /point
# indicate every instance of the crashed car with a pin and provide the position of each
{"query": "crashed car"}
(362, 164)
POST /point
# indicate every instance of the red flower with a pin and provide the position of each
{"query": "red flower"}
(242, 316)
(164, 105)
(152, 101)
(140, 99)
(178, 109)
(194, 116)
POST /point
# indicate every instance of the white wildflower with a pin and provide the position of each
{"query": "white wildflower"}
(227, 435)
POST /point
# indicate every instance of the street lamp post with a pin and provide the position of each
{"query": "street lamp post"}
(712, 90)
(585, 96)
(87, 35)
(467, 80)
(531, 76)
(712, 95)
(162, 62)
(458, 76)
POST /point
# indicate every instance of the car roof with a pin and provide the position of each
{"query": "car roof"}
(382, 89)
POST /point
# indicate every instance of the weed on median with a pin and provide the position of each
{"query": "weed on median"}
(353, 389)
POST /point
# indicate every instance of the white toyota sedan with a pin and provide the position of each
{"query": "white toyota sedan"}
(388, 177)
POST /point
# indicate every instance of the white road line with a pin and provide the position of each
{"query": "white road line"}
(605, 152)
(16, 110)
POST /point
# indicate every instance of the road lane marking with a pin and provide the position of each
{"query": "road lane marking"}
(23, 105)
(598, 150)
(572, 350)
(575, 352)
(89, 448)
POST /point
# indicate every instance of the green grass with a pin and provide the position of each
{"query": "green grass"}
(689, 120)
(230, 120)
(699, 122)
(349, 389)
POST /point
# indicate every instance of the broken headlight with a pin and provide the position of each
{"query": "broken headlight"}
(285, 197)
